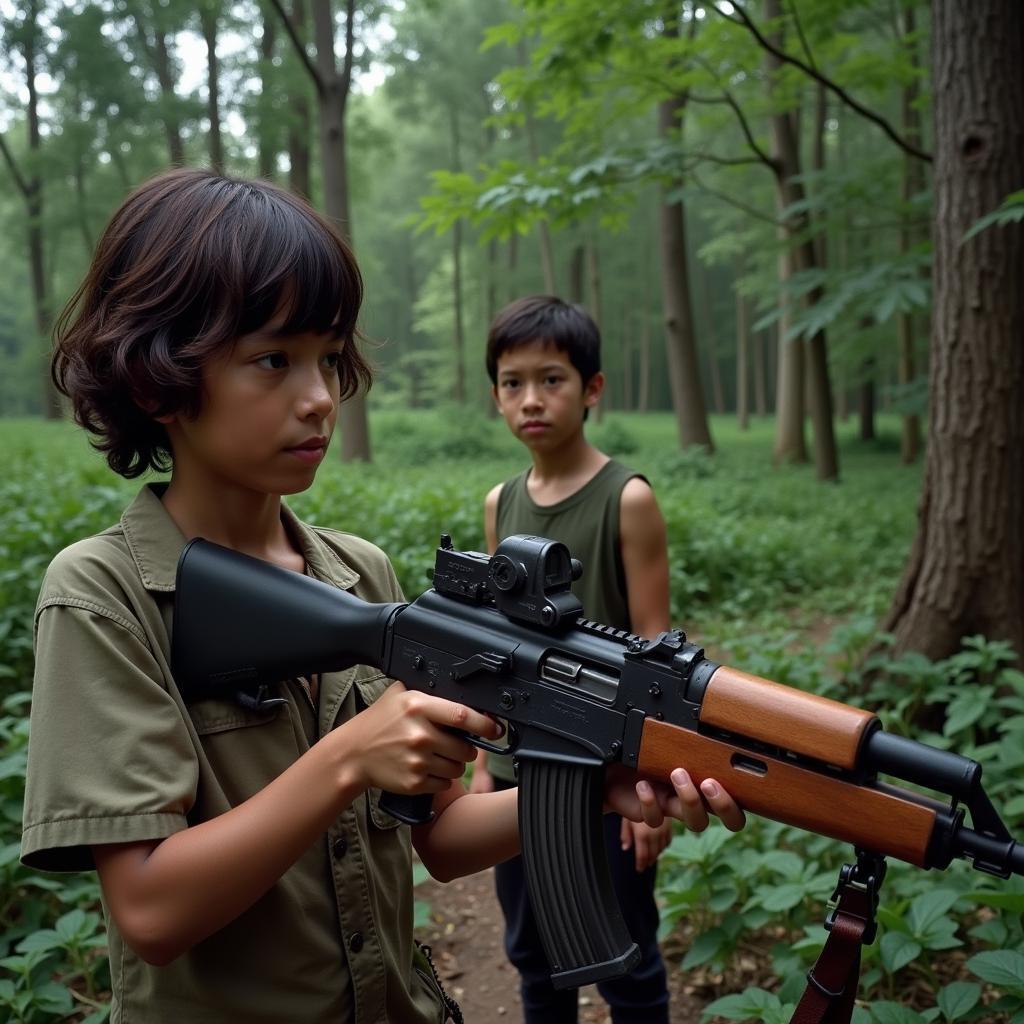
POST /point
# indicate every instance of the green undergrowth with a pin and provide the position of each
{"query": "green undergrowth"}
(784, 576)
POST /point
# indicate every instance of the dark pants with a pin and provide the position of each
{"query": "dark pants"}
(639, 998)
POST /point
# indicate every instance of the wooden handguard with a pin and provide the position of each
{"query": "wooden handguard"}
(879, 821)
(783, 717)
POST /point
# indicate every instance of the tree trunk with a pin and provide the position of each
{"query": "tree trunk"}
(300, 127)
(742, 351)
(158, 52)
(790, 190)
(913, 183)
(680, 339)
(269, 137)
(576, 274)
(866, 401)
(459, 333)
(710, 340)
(513, 266)
(333, 99)
(965, 573)
(790, 445)
(31, 189)
(760, 375)
(208, 19)
(594, 301)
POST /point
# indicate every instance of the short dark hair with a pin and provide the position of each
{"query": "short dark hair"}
(565, 325)
(191, 261)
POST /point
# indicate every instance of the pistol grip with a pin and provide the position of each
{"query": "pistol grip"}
(413, 810)
(560, 824)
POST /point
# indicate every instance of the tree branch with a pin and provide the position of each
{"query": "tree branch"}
(800, 32)
(744, 20)
(300, 47)
(15, 173)
(724, 161)
(770, 162)
(732, 201)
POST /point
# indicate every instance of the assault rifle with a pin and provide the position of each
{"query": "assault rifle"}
(505, 635)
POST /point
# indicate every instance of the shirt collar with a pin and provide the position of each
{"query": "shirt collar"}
(155, 543)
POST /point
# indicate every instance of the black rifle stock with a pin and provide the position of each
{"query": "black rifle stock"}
(505, 635)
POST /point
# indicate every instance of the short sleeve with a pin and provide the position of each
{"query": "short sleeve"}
(110, 757)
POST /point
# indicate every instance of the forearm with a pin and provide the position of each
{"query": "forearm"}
(166, 898)
(472, 831)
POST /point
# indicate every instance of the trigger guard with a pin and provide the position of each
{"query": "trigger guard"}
(512, 735)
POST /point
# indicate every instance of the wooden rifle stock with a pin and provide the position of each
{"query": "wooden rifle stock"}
(886, 821)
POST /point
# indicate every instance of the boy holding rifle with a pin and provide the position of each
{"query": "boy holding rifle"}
(543, 358)
(248, 871)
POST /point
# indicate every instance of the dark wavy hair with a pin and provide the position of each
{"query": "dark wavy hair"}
(190, 262)
(568, 327)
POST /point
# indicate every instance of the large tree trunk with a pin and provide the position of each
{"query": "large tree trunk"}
(965, 573)
(680, 338)
(913, 183)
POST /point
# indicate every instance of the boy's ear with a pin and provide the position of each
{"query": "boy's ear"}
(494, 395)
(593, 390)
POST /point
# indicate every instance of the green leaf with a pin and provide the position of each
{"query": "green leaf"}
(705, 948)
(1004, 968)
(749, 1005)
(782, 897)
(957, 999)
(927, 908)
(52, 997)
(962, 713)
(885, 1012)
(897, 950)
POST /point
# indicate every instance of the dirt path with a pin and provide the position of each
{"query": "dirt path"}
(466, 936)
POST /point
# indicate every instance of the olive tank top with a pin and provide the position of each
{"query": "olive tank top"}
(587, 522)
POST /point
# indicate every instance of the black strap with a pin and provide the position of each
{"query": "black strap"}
(832, 982)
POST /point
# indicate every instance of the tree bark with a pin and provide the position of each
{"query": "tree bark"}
(965, 573)
(790, 444)
(677, 305)
(912, 184)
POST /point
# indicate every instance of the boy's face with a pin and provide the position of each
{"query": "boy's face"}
(268, 411)
(542, 396)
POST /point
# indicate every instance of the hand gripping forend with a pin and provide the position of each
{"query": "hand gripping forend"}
(560, 824)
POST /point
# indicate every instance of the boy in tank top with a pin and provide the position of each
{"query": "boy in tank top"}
(543, 358)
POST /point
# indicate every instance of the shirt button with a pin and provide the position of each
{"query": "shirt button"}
(355, 943)
(339, 847)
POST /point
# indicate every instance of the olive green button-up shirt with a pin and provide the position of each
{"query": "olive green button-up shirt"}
(116, 755)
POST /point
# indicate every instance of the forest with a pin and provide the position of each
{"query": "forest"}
(799, 225)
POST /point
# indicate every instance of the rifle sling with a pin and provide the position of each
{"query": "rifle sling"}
(832, 982)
